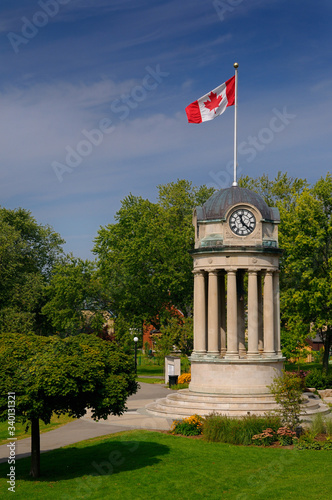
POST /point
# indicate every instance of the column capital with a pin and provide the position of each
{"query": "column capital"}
(253, 271)
(213, 272)
(270, 270)
(198, 272)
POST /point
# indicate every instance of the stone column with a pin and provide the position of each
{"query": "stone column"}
(213, 314)
(260, 314)
(232, 340)
(268, 315)
(199, 313)
(240, 314)
(252, 315)
(276, 308)
(222, 314)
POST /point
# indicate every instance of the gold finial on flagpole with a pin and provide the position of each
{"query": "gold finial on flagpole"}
(236, 65)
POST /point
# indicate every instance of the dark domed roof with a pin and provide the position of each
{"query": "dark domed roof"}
(221, 201)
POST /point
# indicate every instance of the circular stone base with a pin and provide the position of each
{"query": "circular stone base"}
(235, 387)
(232, 387)
(233, 376)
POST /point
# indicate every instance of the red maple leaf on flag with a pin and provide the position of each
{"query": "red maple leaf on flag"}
(214, 102)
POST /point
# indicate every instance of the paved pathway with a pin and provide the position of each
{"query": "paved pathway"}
(135, 418)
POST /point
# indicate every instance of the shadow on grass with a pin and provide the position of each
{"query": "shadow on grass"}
(111, 456)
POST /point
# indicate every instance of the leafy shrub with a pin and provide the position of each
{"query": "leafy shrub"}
(308, 442)
(318, 379)
(301, 374)
(287, 392)
(185, 378)
(327, 445)
(221, 428)
(190, 426)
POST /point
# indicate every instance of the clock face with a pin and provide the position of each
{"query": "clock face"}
(242, 222)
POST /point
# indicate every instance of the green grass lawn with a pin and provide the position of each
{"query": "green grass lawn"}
(302, 366)
(142, 464)
(151, 380)
(20, 428)
(149, 367)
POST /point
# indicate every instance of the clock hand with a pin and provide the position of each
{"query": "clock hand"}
(243, 223)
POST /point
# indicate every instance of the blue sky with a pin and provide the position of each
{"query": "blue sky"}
(93, 93)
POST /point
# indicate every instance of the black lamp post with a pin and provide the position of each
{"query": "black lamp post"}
(136, 340)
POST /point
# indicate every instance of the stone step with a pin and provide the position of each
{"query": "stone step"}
(185, 403)
(217, 406)
(216, 398)
(180, 413)
(220, 401)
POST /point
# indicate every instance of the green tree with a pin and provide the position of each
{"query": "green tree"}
(306, 237)
(28, 252)
(76, 299)
(177, 201)
(178, 332)
(51, 375)
(281, 191)
(144, 257)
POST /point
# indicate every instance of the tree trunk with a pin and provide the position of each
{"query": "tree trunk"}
(327, 345)
(35, 448)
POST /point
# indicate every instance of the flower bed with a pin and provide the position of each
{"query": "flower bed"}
(259, 431)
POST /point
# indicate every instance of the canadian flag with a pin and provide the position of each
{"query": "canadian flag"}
(212, 104)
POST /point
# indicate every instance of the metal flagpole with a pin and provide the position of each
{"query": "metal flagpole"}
(235, 126)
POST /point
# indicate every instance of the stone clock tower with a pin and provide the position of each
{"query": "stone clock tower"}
(236, 309)
(236, 295)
